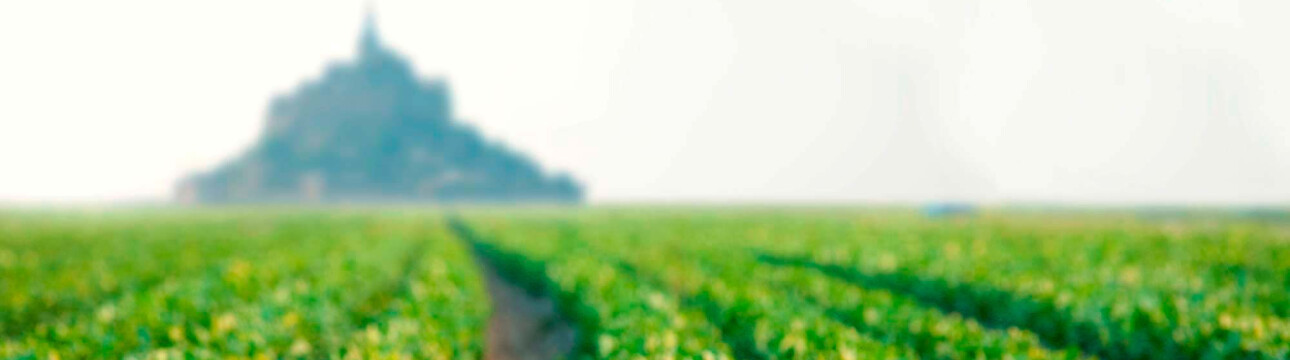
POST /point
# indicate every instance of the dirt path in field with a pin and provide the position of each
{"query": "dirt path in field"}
(523, 327)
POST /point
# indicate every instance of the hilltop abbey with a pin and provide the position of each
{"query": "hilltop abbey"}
(371, 131)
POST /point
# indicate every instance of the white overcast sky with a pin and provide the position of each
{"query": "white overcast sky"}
(1096, 101)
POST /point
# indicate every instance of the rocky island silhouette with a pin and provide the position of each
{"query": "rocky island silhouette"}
(371, 131)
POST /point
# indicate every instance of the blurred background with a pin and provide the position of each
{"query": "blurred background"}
(905, 101)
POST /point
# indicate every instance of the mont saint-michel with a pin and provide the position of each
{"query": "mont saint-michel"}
(372, 131)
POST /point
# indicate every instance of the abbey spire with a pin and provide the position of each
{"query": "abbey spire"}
(370, 41)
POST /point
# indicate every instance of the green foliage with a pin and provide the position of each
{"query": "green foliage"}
(645, 284)
(879, 315)
(1015, 285)
(619, 317)
(281, 285)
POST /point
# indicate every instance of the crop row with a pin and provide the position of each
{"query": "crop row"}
(888, 317)
(59, 265)
(618, 316)
(334, 286)
(1119, 289)
(792, 312)
(757, 284)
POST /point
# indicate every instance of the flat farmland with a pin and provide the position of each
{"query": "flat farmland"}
(642, 283)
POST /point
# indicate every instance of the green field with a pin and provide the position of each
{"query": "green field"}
(645, 283)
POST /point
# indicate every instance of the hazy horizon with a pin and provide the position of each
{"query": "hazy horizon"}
(1099, 102)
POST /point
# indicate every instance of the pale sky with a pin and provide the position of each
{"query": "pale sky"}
(1094, 102)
